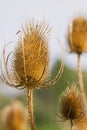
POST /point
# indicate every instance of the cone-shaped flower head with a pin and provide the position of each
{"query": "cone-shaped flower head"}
(71, 104)
(14, 117)
(30, 59)
(77, 36)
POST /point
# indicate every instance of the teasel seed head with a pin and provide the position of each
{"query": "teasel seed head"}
(14, 116)
(77, 36)
(71, 105)
(30, 59)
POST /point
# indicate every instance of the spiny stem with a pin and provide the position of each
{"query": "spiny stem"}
(80, 79)
(30, 109)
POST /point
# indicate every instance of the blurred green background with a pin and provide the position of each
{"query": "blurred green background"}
(46, 99)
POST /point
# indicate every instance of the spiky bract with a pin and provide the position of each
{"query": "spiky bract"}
(77, 36)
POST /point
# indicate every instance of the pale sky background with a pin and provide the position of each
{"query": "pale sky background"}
(58, 13)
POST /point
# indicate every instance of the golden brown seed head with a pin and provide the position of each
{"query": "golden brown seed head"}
(31, 58)
(71, 105)
(77, 36)
(14, 117)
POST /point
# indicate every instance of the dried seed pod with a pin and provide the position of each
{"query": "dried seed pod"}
(71, 105)
(77, 36)
(30, 59)
(14, 116)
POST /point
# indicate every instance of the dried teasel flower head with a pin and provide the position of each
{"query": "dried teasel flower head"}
(14, 116)
(71, 105)
(30, 59)
(77, 36)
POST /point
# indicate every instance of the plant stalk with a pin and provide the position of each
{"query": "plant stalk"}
(71, 124)
(30, 109)
(80, 79)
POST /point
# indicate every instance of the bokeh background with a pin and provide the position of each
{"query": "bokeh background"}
(58, 14)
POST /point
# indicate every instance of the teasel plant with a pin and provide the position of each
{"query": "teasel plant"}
(14, 116)
(77, 39)
(30, 63)
(71, 106)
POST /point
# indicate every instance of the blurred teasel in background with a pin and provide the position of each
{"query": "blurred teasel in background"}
(30, 63)
(14, 116)
(77, 39)
(71, 106)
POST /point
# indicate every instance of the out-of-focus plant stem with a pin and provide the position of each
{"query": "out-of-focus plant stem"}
(80, 80)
